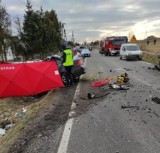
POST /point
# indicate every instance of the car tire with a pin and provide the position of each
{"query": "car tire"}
(120, 57)
(76, 79)
(106, 53)
(65, 78)
(126, 58)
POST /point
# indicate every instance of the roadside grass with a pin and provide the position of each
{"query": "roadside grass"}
(10, 106)
(150, 50)
(154, 59)
(151, 47)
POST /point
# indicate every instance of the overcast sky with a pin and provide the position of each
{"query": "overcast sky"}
(92, 20)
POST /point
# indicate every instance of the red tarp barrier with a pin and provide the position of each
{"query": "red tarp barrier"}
(25, 79)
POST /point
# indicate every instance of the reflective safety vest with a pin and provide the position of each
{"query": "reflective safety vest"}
(69, 58)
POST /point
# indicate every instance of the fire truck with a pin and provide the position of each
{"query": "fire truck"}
(111, 45)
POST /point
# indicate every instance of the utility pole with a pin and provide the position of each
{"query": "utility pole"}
(72, 37)
(65, 37)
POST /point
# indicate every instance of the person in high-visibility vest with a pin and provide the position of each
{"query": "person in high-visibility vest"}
(68, 62)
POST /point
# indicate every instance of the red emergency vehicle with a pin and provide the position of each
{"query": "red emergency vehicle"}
(111, 45)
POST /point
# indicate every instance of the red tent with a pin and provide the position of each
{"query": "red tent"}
(25, 79)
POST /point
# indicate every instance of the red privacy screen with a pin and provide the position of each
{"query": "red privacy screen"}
(25, 79)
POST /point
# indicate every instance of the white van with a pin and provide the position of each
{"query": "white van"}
(130, 51)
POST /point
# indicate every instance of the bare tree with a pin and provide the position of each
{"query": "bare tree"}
(5, 31)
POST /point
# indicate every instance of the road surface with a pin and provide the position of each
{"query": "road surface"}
(102, 124)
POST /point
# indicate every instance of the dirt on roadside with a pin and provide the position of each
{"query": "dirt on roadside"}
(46, 114)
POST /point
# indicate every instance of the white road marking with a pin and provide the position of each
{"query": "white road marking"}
(68, 126)
(65, 137)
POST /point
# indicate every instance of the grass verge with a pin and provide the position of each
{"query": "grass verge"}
(10, 106)
(154, 59)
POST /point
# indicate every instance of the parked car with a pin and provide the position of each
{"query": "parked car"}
(85, 52)
(77, 70)
(130, 51)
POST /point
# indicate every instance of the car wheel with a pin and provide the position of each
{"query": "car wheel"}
(76, 79)
(106, 53)
(126, 58)
(120, 57)
(65, 78)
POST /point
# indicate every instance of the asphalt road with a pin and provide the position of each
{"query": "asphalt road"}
(106, 127)
(101, 125)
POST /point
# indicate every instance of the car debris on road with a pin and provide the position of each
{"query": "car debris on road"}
(122, 82)
(156, 100)
(105, 85)
(128, 106)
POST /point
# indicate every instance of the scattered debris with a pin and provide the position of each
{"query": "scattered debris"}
(119, 87)
(5, 125)
(123, 78)
(128, 106)
(157, 67)
(2, 132)
(102, 82)
(156, 114)
(127, 69)
(144, 121)
(122, 83)
(21, 113)
(91, 95)
(153, 68)
(24, 109)
(104, 88)
(8, 126)
(156, 100)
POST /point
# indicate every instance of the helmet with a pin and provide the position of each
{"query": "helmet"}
(64, 47)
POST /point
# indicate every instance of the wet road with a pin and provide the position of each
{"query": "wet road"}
(106, 127)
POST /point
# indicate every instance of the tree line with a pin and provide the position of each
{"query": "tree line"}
(39, 34)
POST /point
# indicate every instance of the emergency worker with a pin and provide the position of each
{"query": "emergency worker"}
(67, 57)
